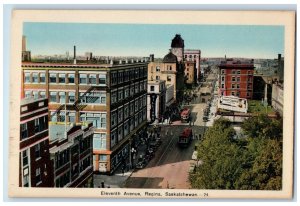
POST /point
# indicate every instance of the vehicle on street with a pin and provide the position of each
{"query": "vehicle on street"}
(140, 165)
(185, 115)
(186, 137)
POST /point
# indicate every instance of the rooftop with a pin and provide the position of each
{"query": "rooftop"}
(237, 63)
(31, 100)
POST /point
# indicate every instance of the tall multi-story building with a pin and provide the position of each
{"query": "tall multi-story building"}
(156, 100)
(195, 56)
(26, 55)
(35, 168)
(71, 151)
(190, 72)
(113, 97)
(236, 78)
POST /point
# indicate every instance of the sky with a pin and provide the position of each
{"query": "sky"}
(249, 41)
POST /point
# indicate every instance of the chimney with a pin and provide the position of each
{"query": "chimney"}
(111, 62)
(132, 61)
(120, 62)
(151, 57)
(279, 57)
(126, 61)
(74, 59)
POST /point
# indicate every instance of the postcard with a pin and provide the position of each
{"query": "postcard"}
(152, 104)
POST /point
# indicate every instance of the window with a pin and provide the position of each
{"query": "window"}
(136, 88)
(26, 180)
(24, 131)
(53, 97)
(71, 117)
(36, 126)
(71, 97)
(152, 88)
(136, 105)
(25, 157)
(120, 133)
(223, 71)
(113, 138)
(52, 77)
(82, 78)
(62, 97)
(233, 86)
(114, 78)
(120, 114)
(92, 79)
(233, 79)
(131, 90)
(37, 151)
(126, 128)
(238, 79)
(238, 71)
(98, 119)
(43, 94)
(71, 78)
(35, 94)
(222, 86)
(233, 93)
(62, 78)
(114, 97)
(27, 94)
(157, 68)
(233, 71)
(249, 86)
(169, 78)
(120, 95)
(126, 111)
(53, 116)
(237, 86)
(249, 79)
(102, 157)
(157, 77)
(113, 118)
(93, 98)
(222, 78)
(131, 108)
(249, 72)
(120, 77)
(27, 77)
(99, 141)
(126, 92)
(38, 177)
(35, 77)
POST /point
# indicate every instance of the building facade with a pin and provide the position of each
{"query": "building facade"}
(236, 78)
(194, 55)
(277, 97)
(71, 151)
(113, 97)
(35, 166)
(156, 99)
(190, 72)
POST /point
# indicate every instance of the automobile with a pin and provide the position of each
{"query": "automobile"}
(205, 119)
(140, 165)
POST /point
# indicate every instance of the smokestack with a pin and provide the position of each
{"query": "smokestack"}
(151, 57)
(120, 62)
(74, 55)
(126, 61)
(279, 57)
(132, 61)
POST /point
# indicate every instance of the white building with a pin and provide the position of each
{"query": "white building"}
(156, 99)
(277, 98)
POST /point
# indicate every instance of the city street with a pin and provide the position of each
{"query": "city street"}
(170, 166)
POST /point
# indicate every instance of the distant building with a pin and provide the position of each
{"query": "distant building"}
(280, 68)
(72, 154)
(113, 97)
(236, 78)
(190, 72)
(277, 97)
(26, 55)
(36, 169)
(195, 56)
(177, 47)
(156, 99)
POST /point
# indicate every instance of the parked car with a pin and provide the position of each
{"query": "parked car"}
(140, 165)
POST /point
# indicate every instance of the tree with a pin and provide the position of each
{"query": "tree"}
(220, 156)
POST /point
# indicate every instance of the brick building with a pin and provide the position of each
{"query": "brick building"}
(190, 72)
(236, 78)
(113, 97)
(35, 166)
(194, 55)
(71, 150)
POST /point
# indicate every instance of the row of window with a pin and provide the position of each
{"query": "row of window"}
(122, 113)
(233, 93)
(98, 119)
(118, 158)
(69, 97)
(123, 130)
(157, 69)
(61, 78)
(236, 86)
(128, 91)
(233, 71)
(33, 127)
(190, 56)
(119, 77)
(65, 179)
(236, 79)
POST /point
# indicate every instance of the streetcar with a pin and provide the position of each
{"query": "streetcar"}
(185, 115)
(186, 137)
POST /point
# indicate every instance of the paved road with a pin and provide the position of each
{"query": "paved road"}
(170, 166)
